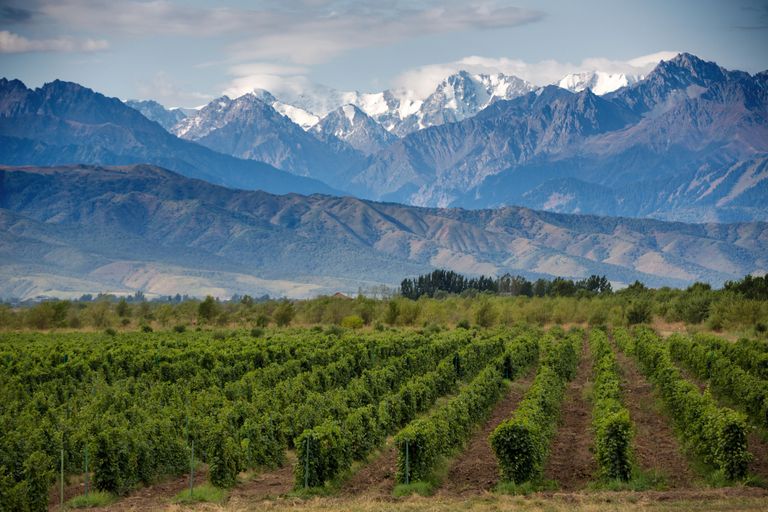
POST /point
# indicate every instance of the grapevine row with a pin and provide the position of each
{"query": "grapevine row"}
(329, 448)
(717, 434)
(724, 376)
(421, 444)
(521, 443)
(610, 418)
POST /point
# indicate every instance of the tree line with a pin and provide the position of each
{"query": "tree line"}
(441, 282)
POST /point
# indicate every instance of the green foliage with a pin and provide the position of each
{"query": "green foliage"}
(115, 461)
(38, 471)
(708, 358)
(94, 499)
(521, 443)
(284, 314)
(421, 444)
(381, 400)
(322, 453)
(128, 397)
(224, 459)
(486, 314)
(717, 435)
(207, 310)
(610, 419)
(352, 322)
(639, 312)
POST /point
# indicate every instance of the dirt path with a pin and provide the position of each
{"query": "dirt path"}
(656, 447)
(267, 484)
(376, 479)
(571, 462)
(476, 470)
(156, 496)
(264, 485)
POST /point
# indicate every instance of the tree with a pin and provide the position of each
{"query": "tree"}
(123, 309)
(284, 313)
(207, 310)
(486, 314)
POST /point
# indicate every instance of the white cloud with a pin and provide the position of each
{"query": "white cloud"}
(14, 43)
(422, 80)
(163, 89)
(303, 32)
(313, 39)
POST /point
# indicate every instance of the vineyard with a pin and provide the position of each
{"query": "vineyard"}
(149, 418)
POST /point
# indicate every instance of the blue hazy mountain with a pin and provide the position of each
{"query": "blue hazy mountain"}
(689, 142)
(65, 123)
(76, 229)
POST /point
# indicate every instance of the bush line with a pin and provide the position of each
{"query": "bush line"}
(521, 443)
(421, 444)
(342, 438)
(725, 377)
(611, 423)
(716, 434)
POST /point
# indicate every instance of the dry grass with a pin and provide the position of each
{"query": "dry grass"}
(695, 500)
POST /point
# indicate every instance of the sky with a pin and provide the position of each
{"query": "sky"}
(187, 52)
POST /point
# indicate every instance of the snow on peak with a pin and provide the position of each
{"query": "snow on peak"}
(349, 112)
(599, 82)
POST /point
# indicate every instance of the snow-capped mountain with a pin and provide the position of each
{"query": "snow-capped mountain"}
(401, 111)
(599, 82)
(355, 127)
(460, 96)
(250, 127)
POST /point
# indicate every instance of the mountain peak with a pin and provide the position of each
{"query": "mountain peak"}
(352, 125)
(688, 67)
(264, 95)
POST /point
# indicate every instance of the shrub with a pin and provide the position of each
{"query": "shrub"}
(284, 313)
(38, 471)
(322, 453)
(223, 460)
(521, 443)
(352, 322)
(639, 312)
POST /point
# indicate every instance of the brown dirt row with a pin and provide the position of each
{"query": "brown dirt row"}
(571, 462)
(156, 496)
(655, 445)
(376, 479)
(476, 471)
(266, 484)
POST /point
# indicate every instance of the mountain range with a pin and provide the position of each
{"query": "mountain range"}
(688, 142)
(63, 122)
(68, 230)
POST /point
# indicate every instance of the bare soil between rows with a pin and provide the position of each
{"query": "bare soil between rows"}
(571, 463)
(655, 445)
(376, 479)
(476, 471)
